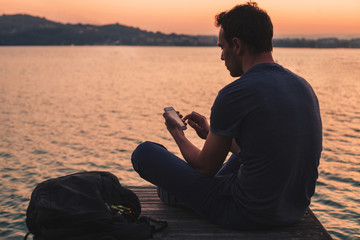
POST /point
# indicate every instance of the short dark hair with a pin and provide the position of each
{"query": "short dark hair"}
(250, 24)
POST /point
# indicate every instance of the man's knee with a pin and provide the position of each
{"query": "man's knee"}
(142, 153)
(136, 155)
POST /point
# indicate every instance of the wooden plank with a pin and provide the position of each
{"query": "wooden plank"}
(185, 224)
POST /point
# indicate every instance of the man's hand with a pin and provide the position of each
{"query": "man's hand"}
(210, 158)
(171, 124)
(198, 123)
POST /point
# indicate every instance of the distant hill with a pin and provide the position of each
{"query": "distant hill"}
(23, 29)
(29, 30)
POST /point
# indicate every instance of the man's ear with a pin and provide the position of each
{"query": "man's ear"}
(238, 45)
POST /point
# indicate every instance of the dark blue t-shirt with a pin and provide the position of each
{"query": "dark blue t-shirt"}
(274, 116)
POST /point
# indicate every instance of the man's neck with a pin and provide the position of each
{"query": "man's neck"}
(250, 61)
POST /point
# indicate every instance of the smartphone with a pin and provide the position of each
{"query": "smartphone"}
(175, 116)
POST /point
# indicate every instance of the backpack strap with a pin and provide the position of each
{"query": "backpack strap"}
(156, 225)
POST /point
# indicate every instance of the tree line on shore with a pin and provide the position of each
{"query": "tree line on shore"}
(25, 30)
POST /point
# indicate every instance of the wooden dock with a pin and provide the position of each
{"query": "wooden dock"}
(185, 224)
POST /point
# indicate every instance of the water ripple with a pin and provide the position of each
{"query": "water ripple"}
(5, 155)
(65, 110)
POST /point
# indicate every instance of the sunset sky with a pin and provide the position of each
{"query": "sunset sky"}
(290, 17)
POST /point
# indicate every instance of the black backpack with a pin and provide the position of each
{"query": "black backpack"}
(87, 205)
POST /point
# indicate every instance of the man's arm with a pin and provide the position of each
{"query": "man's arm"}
(210, 158)
(202, 128)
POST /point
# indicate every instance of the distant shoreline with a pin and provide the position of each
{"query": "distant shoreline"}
(332, 43)
(317, 43)
(27, 30)
(149, 46)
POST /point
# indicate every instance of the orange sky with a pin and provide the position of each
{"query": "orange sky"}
(291, 17)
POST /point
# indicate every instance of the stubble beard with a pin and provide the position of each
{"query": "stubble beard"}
(238, 73)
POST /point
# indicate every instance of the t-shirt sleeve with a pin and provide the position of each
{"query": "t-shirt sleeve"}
(221, 121)
(230, 109)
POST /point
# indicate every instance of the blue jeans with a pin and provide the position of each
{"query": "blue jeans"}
(210, 196)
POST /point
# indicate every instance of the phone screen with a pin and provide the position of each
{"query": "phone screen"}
(175, 116)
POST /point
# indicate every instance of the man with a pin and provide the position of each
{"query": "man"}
(268, 118)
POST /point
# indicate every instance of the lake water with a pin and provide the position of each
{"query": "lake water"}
(70, 109)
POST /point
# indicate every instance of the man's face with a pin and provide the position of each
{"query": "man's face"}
(228, 54)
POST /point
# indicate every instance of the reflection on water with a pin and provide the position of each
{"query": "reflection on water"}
(69, 109)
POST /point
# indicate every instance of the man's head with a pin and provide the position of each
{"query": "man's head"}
(248, 23)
